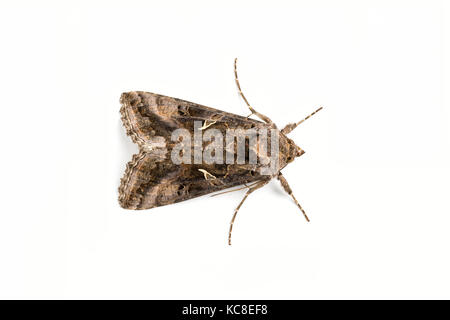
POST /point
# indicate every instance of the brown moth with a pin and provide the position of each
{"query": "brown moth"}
(153, 179)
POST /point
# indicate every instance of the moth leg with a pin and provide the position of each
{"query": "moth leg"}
(253, 111)
(250, 190)
(245, 187)
(291, 126)
(288, 190)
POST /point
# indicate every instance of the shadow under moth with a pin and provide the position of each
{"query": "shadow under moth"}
(187, 150)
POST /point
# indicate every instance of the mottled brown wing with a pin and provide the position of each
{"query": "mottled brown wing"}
(151, 179)
(146, 115)
(150, 182)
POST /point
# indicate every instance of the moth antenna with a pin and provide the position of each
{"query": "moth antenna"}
(253, 111)
(306, 118)
(250, 190)
(288, 190)
(292, 126)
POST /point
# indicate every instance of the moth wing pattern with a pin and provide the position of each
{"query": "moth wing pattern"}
(151, 179)
(146, 114)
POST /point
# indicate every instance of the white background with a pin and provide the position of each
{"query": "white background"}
(374, 179)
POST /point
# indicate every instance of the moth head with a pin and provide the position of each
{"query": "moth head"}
(300, 151)
(293, 151)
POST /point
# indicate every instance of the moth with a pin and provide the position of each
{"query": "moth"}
(169, 169)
